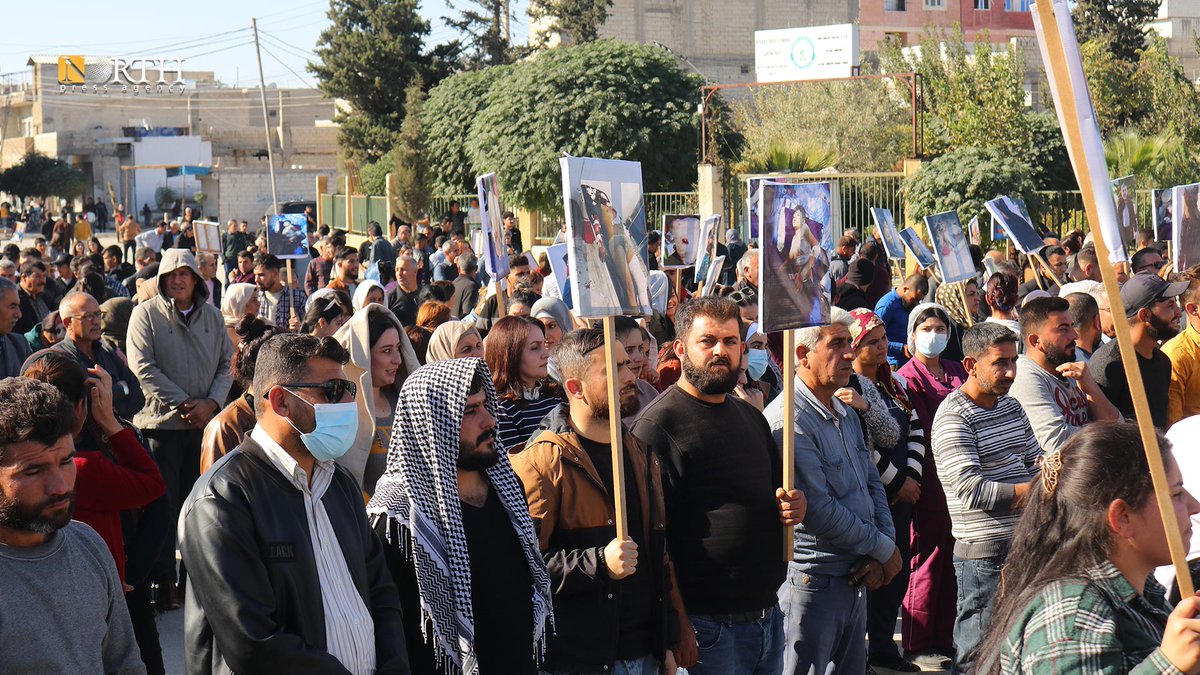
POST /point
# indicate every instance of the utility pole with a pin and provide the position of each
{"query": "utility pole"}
(262, 85)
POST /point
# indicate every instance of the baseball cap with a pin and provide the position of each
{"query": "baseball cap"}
(61, 259)
(1144, 288)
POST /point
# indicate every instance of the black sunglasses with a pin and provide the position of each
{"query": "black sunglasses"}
(333, 389)
(746, 295)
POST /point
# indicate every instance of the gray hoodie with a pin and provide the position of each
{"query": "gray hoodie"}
(177, 357)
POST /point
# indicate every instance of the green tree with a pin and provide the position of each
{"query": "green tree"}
(366, 55)
(963, 179)
(411, 164)
(372, 177)
(479, 22)
(1120, 23)
(576, 21)
(1172, 101)
(37, 175)
(1116, 87)
(447, 117)
(1047, 155)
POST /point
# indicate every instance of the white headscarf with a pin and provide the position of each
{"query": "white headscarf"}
(233, 303)
(360, 293)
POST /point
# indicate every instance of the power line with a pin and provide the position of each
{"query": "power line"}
(296, 51)
(289, 68)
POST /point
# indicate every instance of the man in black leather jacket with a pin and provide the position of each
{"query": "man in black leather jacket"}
(284, 573)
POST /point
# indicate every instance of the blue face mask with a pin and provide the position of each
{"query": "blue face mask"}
(336, 426)
(756, 363)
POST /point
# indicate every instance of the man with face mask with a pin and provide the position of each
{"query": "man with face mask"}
(893, 308)
(1058, 393)
(986, 456)
(1152, 306)
(724, 499)
(458, 537)
(284, 572)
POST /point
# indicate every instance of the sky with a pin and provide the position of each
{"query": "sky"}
(211, 35)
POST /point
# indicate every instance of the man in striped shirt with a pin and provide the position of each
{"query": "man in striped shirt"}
(986, 456)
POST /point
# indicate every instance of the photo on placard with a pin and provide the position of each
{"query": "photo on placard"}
(973, 232)
(494, 252)
(1124, 192)
(714, 271)
(680, 241)
(708, 243)
(796, 241)
(885, 223)
(950, 247)
(287, 236)
(559, 267)
(1162, 214)
(1186, 226)
(606, 232)
(917, 246)
(1015, 224)
(753, 193)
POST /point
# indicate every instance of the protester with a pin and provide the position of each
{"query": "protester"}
(207, 263)
(986, 455)
(317, 275)
(573, 513)
(1153, 310)
(893, 309)
(326, 311)
(1078, 593)
(1002, 299)
(47, 333)
(847, 539)
(14, 348)
(852, 293)
(81, 315)
(454, 340)
(963, 307)
(1085, 319)
(843, 253)
(458, 537)
(279, 304)
(402, 299)
(556, 320)
(632, 338)
(466, 287)
(114, 323)
(316, 596)
(345, 270)
(723, 500)
(369, 291)
(226, 429)
(517, 357)
(1183, 396)
(33, 307)
(44, 555)
(433, 314)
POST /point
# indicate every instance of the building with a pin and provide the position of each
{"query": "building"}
(907, 20)
(197, 122)
(1178, 21)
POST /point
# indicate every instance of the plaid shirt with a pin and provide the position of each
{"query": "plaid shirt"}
(288, 298)
(1097, 624)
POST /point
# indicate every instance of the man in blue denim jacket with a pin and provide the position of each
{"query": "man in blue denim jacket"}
(846, 542)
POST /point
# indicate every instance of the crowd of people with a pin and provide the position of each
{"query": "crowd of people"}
(386, 462)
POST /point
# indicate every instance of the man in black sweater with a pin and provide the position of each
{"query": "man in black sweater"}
(721, 483)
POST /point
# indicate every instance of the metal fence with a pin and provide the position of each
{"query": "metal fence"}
(856, 194)
(1061, 212)
(363, 210)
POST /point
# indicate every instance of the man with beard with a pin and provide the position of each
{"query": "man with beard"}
(458, 537)
(724, 500)
(1152, 306)
(986, 456)
(44, 555)
(612, 596)
(1058, 393)
(893, 308)
(1184, 352)
(345, 270)
(14, 348)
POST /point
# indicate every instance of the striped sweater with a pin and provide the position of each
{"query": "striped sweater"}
(980, 455)
(883, 432)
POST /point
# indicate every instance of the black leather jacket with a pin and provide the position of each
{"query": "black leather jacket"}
(254, 600)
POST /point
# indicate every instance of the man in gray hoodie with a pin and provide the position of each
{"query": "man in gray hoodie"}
(179, 351)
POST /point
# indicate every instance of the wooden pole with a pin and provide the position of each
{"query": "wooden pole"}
(789, 431)
(962, 293)
(501, 300)
(614, 428)
(1055, 57)
(1046, 268)
(291, 285)
(1033, 268)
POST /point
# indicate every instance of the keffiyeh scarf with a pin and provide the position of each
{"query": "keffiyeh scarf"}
(419, 493)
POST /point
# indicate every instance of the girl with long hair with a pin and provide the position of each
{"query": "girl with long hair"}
(516, 354)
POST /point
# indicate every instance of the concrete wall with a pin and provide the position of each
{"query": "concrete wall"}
(245, 193)
(876, 22)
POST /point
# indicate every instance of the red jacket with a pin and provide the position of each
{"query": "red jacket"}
(104, 488)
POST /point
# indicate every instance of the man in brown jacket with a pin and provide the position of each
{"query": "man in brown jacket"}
(614, 607)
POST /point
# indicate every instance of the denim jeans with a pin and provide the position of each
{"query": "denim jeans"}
(741, 648)
(825, 618)
(647, 665)
(978, 581)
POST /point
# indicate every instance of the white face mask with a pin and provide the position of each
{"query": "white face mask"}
(931, 344)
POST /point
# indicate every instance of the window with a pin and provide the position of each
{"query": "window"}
(1017, 5)
(983, 5)
(894, 5)
(935, 4)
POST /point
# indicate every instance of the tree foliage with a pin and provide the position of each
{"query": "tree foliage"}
(1119, 23)
(576, 21)
(37, 175)
(963, 179)
(366, 55)
(411, 164)
(447, 117)
(485, 42)
(1152, 95)
(1047, 155)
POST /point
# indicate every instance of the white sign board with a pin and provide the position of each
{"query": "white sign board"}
(813, 53)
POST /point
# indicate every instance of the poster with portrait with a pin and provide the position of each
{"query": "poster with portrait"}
(796, 241)
(973, 231)
(886, 224)
(680, 241)
(920, 251)
(559, 267)
(1185, 226)
(950, 247)
(1124, 191)
(1016, 225)
(753, 193)
(708, 247)
(710, 280)
(606, 235)
(1163, 208)
(287, 236)
(494, 251)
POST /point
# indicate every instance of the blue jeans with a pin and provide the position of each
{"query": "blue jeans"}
(739, 648)
(647, 665)
(978, 581)
(825, 624)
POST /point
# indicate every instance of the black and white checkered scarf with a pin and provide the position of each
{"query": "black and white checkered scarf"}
(419, 493)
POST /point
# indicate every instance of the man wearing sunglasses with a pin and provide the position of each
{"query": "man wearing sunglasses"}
(284, 572)
(81, 316)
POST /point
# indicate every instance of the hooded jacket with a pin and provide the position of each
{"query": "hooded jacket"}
(355, 336)
(177, 357)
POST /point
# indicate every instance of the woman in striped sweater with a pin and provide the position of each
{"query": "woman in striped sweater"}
(516, 353)
(897, 441)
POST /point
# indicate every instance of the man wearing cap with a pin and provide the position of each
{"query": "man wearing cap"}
(1152, 306)
(1183, 398)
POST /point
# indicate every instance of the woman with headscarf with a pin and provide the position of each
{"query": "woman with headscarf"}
(963, 308)
(556, 322)
(897, 444)
(325, 312)
(454, 340)
(46, 333)
(930, 605)
(381, 357)
(735, 249)
(114, 322)
(516, 354)
(368, 291)
(240, 300)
